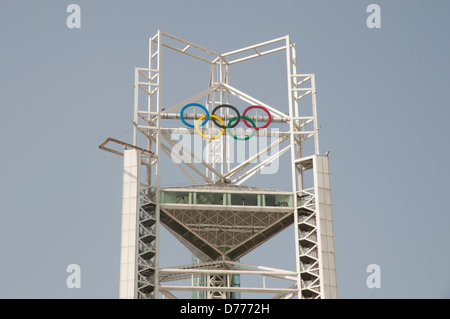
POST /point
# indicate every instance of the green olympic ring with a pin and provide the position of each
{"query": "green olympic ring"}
(240, 138)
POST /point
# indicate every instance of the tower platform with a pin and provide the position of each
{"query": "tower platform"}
(224, 221)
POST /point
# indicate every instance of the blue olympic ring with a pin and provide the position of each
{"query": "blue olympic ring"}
(194, 104)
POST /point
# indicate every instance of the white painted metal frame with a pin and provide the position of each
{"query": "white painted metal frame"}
(309, 280)
(228, 269)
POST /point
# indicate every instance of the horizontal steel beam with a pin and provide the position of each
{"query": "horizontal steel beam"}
(215, 131)
(227, 271)
(191, 116)
(229, 289)
(226, 208)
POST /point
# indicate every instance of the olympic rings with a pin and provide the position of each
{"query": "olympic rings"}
(209, 137)
(236, 119)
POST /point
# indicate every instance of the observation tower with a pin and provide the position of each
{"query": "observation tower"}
(221, 217)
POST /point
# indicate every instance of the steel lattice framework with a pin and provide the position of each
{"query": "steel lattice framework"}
(221, 234)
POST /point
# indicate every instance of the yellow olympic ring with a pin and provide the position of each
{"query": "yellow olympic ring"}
(209, 137)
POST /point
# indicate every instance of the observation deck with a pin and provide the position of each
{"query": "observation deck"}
(224, 221)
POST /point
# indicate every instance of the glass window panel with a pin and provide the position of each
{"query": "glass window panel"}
(175, 197)
(244, 199)
(278, 200)
(210, 198)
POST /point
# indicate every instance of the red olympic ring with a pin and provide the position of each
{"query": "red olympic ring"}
(257, 107)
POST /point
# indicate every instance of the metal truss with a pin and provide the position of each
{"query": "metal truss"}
(219, 279)
(223, 238)
(221, 234)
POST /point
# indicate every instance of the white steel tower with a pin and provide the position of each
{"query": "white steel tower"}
(218, 218)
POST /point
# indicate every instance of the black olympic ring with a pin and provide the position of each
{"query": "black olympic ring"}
(231, 107)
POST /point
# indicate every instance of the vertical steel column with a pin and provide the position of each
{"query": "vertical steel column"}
(224, 136)
(314, 110)
(136, 105)
(130, 231)
(324, 219)
(294, 97)
(224, 99)
(210, 101)
(293, 165)
(158, 168)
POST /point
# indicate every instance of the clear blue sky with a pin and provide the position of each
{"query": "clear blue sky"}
(383, 103)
